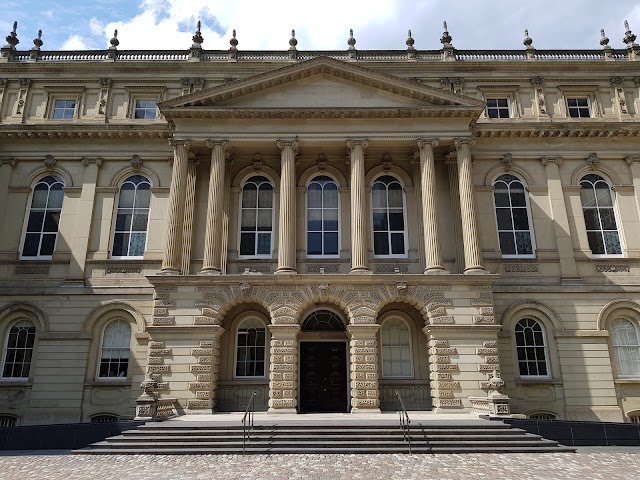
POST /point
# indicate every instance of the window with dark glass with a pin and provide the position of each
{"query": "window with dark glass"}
(578, 107)
(387, 200)
(512, 215)
(251, 349)
(625, 341)
(395, 347)
(114, 354)
(145, 109)
(19, 351)
(498, 108)
(63, 109)
(322, 217)
(130, 235)
(256, 223)
(599, 216)
(531, 348)
(44, 218)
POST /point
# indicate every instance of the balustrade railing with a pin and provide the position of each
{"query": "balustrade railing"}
(405, 421)
(247, 422)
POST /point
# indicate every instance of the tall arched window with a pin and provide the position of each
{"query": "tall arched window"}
(531, 349)
(395, 347)
(599, 216)
(41, 232)
(130, 237)
(256, 218)
(513, 216)
(18, 352)
(322, 216)
(389, 231)
(251, 348)
(114, 353)
(625, 341)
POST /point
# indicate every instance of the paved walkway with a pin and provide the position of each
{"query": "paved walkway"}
(602, 464)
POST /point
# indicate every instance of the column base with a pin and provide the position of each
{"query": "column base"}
(436, 271)
(169, 271)
(360, 271)
(475, 270)
(285, 271)
(365, 410)
(277, 411)
(210, 271)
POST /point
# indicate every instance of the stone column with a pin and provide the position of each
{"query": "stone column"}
(212, 264)
(472, 260)
(189, 206)
(287, 223)
(359, 244)
(433, 259)
(80, 243)
(6, 166)
(171, 263)
(364, 368)
(454, 195)
(568, 269)
(283, 368)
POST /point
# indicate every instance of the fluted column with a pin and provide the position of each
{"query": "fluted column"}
(433, 259)
(287, 224)
(454, 195)
(189, 206)
(171, 262)
(212, 264)
(472, 260)
(359, 250)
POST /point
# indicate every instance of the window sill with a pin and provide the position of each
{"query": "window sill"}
(109, 382)
(626, 380)
(537, 381)
(12, 382)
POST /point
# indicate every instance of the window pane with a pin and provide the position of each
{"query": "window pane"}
(501, 197)
(120, 244)
(587, 195)
(504, 219)
(396, 220)
(264, 219)
(31, 243)
(395, 195)
(331, 219)
(331, 195)
(247, 243)
(397, 243)
(143, 197)
(136, 248)
(248, 221)
(518, 198)
(127, 194)
(48, 244)
(35, 222)
(380, 221)
(507, 243)
(314, 243)
(603, 195)
(523, 243)
(249, 196)
(381, 243)
(264, 243)
(265, 196)
(140, 222)
(314, 219)
(314, 196)
(612, 243)
(608, 219)
(596, 242)
(591, 219)
(520, 219)
(40, 194)
(330, 244)
(379, 195)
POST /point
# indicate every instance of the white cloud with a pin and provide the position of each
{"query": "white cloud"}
(96, 26)
(74, 42)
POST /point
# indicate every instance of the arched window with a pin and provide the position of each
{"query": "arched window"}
(513, 216)
(389, 233)
(41, 231)
(130, 237)
(114, 354)
(599, 216)
(322, 216)
(322, 321)
(625, 341)
(256, 218)
(395, 347)
(251, 348)
(531, 349)
(19, 350)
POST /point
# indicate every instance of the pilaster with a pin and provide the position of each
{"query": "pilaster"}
(359, 249)
(283, 369)
(364, 375)
(212, 264)
(6, 168)
(287, 223)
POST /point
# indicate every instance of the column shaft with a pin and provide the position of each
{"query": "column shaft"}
(433, 259)
(359, 244)
(472, 260)
(189, 206)
(454, 195)
(287, 224)
(212, 264)
(171, 263)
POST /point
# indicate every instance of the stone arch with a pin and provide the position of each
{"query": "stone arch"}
(112, 307)
(328, 170)
(392, 170)
(42, 172)
(221, 299)
(121, 175)
(248, 172)
(428, 303)
(609, 175)
(539, 311)
(324, 304)
(14, 311)
(515, 170)
(617, 307)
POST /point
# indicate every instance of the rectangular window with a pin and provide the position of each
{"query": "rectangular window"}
(498, 108)
(578, 107)
(63, 109)
(145, 110)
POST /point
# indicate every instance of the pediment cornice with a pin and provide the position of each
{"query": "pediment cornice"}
(557, 130)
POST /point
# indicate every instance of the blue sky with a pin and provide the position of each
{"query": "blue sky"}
(264, 24)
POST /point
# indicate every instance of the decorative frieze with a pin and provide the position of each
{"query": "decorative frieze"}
(521, 268)
(163, 321)
(613, 268)
(31, 270)
(156, 344)
(159, 351)
(483, 320)
(123, 269)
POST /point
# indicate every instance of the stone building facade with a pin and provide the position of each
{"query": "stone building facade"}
(322, 228)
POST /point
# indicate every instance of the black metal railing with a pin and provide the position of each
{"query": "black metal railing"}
(405, 421)
(247, 421)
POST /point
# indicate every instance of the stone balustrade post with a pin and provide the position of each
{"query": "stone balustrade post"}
(283, 368)
(172, 262)
(359, 244)
(287, 223)
(363, 350)
(472, 257)
(433, 259)
(212, 264)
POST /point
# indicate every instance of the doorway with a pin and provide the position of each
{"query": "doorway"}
(323, 377)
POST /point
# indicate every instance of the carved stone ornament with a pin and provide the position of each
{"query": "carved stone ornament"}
(322, 161)
(257, 162)
(507, 161)
(592, 160)
(387, 161)
(136, 162)
(88, 160)
(12, 38)
(496, 383)
(49, 162)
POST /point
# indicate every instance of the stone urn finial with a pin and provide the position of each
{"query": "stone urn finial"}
(37, 42)
(496, 383)
(197, 36)
(114, 41)
(629, 37)
(234, 41)
(528, 41)
(604, 40)
(446, 37)
(12, 38)
(352, 41)
(292, 41)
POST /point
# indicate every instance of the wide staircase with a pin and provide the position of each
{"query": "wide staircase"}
(345, 436)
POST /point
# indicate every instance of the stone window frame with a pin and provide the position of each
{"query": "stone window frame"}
(529, 217)
(9, 316)
(545, 346)
(393, 316)
(5, 350)
(542, 415)
(247, 179)
(137, 92)
(116, 207)
(55, 93)
(587, 92)
(25, 223)
(616, 212)
(404, 213)
(633, 416)
(310, 180)
(634, 319)
(101, 378)
(145, 109)
(495, 92)
(237, 323)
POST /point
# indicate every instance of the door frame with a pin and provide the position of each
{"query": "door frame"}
(347, 365)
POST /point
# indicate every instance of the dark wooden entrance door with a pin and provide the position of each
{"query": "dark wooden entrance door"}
(323, 377)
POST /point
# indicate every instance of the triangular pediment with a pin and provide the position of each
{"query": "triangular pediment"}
(322, 85)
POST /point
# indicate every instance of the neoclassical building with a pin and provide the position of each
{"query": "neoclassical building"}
(324, 228)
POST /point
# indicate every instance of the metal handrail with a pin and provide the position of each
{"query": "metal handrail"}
(405, 421)
(247, 421)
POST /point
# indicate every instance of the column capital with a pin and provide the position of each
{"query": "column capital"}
(630, 159)
(86, 161)
(363, 142)
(223, 143)
(174, 142)
(423, 142)
(293, 144)
(464, 141)
(547, 160)
(8, 161)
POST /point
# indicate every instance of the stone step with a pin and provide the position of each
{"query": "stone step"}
(324, 433)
